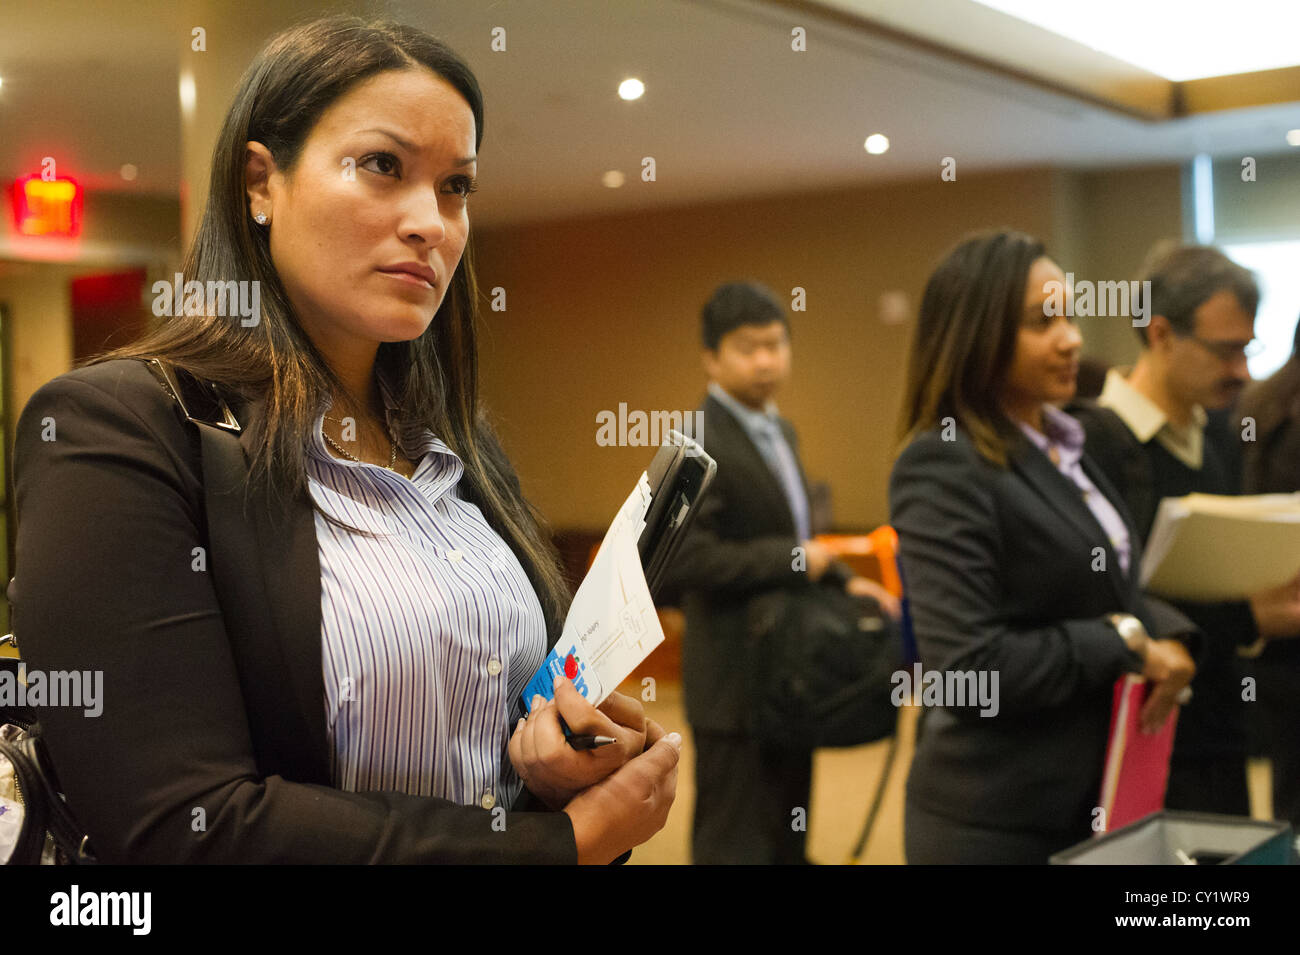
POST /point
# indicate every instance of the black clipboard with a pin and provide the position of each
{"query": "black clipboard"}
(679, 475)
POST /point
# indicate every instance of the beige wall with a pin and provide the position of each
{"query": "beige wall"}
(1120, 214)
(38, 303)
(121, 232)
(603, 311)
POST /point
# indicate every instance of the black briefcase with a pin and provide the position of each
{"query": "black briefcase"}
(821, 663)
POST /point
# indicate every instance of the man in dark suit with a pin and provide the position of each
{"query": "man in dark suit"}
(752, 535)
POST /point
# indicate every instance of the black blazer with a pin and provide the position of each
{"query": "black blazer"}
(741, 543)
(1213, 725)
(998, 567)
(110, 501)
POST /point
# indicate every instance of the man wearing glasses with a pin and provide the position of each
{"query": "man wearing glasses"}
(1155, 433)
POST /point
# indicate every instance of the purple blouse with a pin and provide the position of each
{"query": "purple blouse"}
(1066, 435)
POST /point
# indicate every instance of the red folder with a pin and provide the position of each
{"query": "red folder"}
(1137, 764)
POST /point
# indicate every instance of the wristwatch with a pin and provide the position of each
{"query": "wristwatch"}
(1132, 632)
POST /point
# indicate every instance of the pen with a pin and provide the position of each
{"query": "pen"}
(584, 740)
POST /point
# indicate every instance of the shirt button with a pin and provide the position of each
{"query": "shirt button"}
(488, 800)
(454, 556)
(494, 666)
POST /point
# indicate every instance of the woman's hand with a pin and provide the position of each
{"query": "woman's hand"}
(553, 770)
(628, 807)
(1170, 668)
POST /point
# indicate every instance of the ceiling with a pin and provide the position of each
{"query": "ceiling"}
(730, 110)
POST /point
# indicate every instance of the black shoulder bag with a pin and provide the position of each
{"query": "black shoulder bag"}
(821, 663)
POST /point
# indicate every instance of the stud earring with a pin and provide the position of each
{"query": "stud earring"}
(260, 218)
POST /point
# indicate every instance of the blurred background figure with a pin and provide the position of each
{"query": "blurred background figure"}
(1000, 518)
(1151, 433)
(1271, 465)
(754, 525)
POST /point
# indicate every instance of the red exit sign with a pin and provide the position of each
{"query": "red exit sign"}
(47, 206)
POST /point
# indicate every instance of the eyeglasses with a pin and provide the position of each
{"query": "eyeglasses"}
(1229, 351)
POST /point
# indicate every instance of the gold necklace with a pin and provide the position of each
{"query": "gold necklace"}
(392, 457)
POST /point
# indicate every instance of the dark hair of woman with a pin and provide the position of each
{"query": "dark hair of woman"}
(965, 339)
(284, 92)
(1277, 397)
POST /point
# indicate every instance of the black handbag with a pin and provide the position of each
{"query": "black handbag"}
(821, 664)
(48, 833)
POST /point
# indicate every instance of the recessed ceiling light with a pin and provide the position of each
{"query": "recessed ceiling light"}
(876, 144)
(631, 89)
(1293, 137)
(129, 172)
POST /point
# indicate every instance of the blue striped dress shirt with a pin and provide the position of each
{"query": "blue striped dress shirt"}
(429, 635)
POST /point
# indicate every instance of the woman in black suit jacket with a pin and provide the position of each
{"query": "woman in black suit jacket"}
(338, 203)
(1011, 569)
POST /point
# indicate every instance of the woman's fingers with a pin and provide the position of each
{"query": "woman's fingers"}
(515, 750)
(1154, 717)
(580, 715)
(625, 711)
(543, 754)
(653, 733)
(657, 766)
(618, 716)
(574, 769)
(1162, 701)
(528, 740)
(549, 736)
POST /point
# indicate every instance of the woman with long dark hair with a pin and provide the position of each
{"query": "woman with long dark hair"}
(1020, 566)
(358, 700)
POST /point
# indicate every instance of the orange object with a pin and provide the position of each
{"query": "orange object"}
(873, 555)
